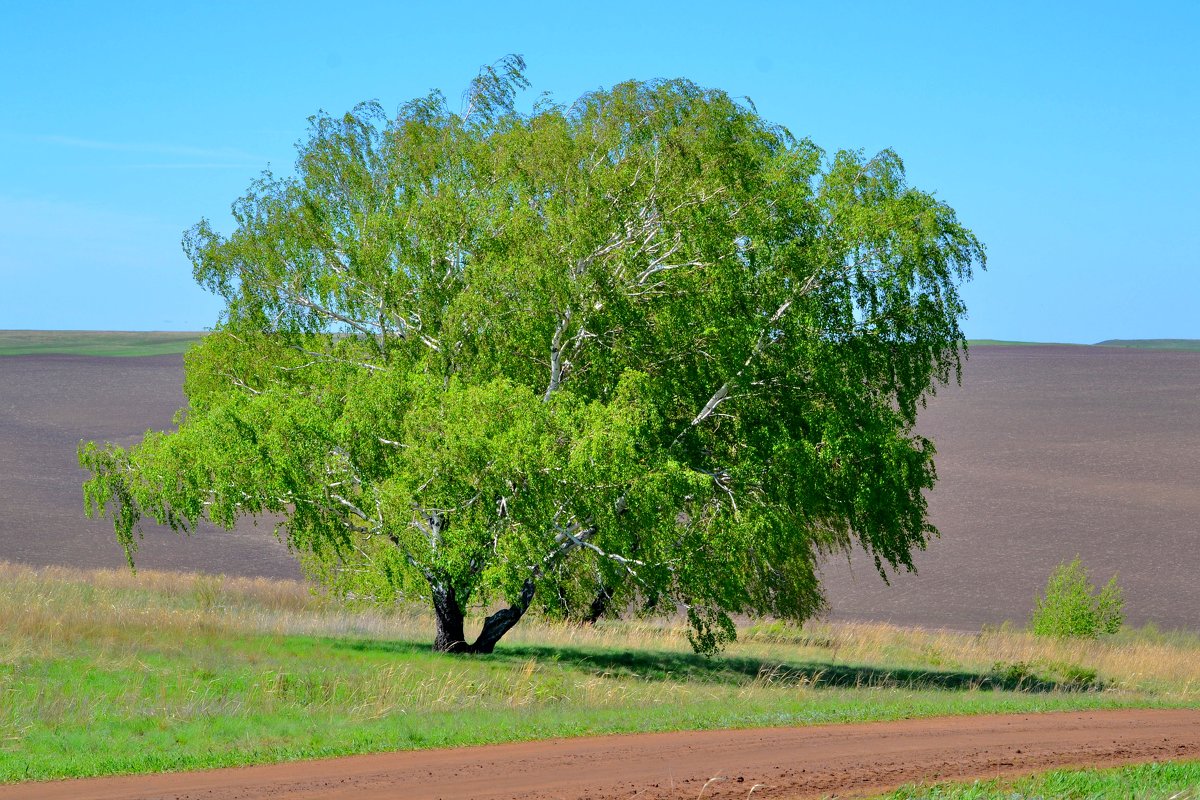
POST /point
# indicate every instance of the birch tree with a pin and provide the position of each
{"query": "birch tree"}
(645, 352)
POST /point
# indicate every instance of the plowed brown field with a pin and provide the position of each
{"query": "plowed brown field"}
(47, 405)
(840, 760)
(1044, 453)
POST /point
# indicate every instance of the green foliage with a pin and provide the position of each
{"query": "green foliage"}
(1155, 781)
(1015, 673)
(1071, 606)
(1061, 674)
(1076, 674)
(647, 347)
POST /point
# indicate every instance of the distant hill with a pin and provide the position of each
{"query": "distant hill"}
(96, 343)
(1153, 344)
(157, 343)
(1007, 343)
(1140, 344)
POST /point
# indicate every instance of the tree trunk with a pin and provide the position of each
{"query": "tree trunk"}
(500, 623)
(599, 606)
(450, 637)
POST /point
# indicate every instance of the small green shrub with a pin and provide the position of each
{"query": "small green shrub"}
(1071, 605)
(1017, 672)
(207, 591)
(1077, 675)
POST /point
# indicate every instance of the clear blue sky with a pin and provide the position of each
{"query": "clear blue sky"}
(1067, 135)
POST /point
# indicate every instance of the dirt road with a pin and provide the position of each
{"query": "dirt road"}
(842, 760)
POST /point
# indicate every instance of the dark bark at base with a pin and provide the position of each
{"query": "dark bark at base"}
(500, 623)
(450, 637)
(599, 606)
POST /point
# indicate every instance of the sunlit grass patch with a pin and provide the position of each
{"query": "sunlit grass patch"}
(104, 672)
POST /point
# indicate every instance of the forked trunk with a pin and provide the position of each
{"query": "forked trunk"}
(450, 637)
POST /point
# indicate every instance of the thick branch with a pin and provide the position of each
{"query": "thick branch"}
(501, 622)
(764, 338)
(556, 360)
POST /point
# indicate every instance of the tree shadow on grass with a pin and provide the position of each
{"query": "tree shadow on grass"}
(659, 665)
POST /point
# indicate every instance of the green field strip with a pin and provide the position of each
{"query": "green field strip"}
(96, 343)
(1190, 345)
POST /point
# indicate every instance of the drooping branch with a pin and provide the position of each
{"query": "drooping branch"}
(581, 540)
(765, 337)
(304, 301)
(718, 396)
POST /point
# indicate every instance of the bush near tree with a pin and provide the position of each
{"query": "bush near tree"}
(644, 351)
(1072, 607)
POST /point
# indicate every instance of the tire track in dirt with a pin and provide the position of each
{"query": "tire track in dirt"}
(816, 761)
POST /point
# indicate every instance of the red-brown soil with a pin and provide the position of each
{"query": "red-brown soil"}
(1043, 453)
(841, 760)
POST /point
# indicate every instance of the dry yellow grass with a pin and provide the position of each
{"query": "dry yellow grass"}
(107, 671)
(41, 607)
(1134, 659)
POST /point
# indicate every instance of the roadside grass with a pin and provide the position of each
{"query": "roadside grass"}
(96, 343)
(1177, 780)
(107, 672)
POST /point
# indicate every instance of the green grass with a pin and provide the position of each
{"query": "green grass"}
(104, 672)
(96, 343)
(1006, 343)
(1141, 344)
(1153, 344)
(1158, 781)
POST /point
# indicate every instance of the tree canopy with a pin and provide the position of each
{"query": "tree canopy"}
(646, 351)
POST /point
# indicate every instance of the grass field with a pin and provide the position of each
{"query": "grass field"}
(1157, 781)
(1140, 344)
(1008, 343)
(96, 343)
(105, 672)
(1154, 344)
